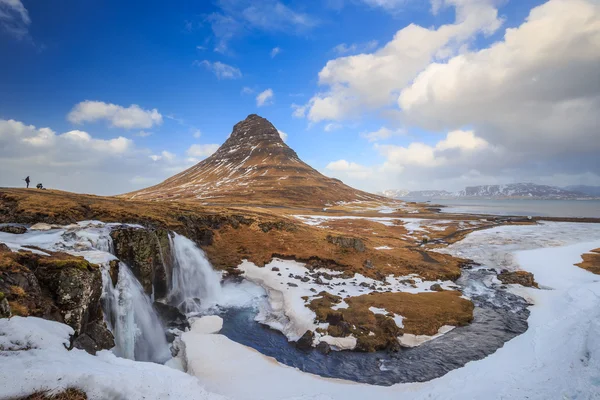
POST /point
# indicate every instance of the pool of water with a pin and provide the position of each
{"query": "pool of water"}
(498, 317)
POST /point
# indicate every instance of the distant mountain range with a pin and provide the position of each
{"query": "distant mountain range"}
(510, 191)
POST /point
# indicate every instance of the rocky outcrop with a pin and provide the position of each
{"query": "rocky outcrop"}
(306, 341)
(523, 278)
(347, 242)
(148, 255)
(14, 229)
(59, 287)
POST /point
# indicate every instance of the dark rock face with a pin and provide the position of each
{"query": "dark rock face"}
(170, 316)
(347, 242)
(324, 348)
(306, 341)
(59, 287)
(14, 229)
(279, 225)
(148, 254)
(517, 277)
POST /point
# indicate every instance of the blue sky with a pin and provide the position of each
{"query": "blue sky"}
(202, 64)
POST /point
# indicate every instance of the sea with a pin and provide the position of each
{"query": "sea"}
(520, 207)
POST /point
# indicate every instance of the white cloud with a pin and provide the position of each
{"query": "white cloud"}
(382, 134)
(265, 98)
(77, 161)
(283, 135)
(143, 134)
(343, 48)
(369, 81)
(349, 169)
(238, 17)
(247, 90)
(14, 18)
(196, 133)
(221, 70)
(275, 51)
(536, 91)
(332, 127)
(118, 116)
(202, 150)
(299, 111)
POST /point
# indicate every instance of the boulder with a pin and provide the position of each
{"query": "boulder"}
(170, 316)
(523, 278)
(347, 242)
(436, 287)
(40, 226)
(306, 341)
(324, 348)
(14, 229)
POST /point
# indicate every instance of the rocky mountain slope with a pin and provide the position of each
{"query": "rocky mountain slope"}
(254, 166)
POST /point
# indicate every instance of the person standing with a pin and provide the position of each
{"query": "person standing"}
(27, 182)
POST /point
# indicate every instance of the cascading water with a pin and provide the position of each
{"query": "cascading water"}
(139, 334)
(195, 285)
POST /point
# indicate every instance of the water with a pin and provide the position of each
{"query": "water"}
(128, 311)
(498, 317)
(139, 334)
(196, 286)
(520, 207)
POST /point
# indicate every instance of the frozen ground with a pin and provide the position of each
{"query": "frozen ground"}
(287, 282)
(557, 358)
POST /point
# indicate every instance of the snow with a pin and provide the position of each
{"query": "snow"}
(287, 311)
(383, 248)
(410, 340)
(397, 318)
(207, 324)
(557, 358)
(48, 365)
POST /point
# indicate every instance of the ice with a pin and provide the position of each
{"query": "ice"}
(557, 358)
(48, 365)
(286, 309)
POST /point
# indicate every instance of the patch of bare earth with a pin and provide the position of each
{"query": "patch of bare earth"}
(69, 394)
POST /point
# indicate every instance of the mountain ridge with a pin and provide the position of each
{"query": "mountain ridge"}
(508, 191)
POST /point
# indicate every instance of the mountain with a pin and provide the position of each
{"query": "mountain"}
(254, 166)
(431, 193)
(512, 190)
(394, 193)
(589, 190)
(519, 190)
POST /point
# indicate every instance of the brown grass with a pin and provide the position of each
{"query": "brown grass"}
(591, 261)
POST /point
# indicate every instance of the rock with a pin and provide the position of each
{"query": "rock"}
(290, 284)
(347, 242)
(84, 342)
(148, 255)
(305, 279)
(324, 348)
(436, 287)
(368, 264)
(4, 307)
(306, 341)
(207, 325)
(275, 269)
(4, 248)
(14, 229)
(40, 226)
(114, 271)
(523, 278)
(279, 225)
(100, 334)
(170, 316)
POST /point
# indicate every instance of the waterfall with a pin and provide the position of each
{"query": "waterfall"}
(195, 285)
(139, 334)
